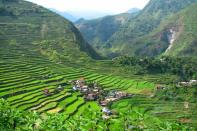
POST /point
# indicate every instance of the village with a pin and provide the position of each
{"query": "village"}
(186, 84)
(91, 91)
(189, 83)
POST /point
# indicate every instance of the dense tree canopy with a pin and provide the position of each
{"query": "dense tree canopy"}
(184, 67)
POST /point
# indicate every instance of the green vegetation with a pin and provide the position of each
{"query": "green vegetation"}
(175, 36)
(135, 119)
(163, 104)
(40, 51)
(149, 33)
(98, 31)
(169, 104)
(28, 95)
(24, 77)
(183, 67)
(32, 27)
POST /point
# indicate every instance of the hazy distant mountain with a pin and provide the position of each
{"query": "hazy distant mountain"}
(133, 10)
(89, 15)
(65, 15)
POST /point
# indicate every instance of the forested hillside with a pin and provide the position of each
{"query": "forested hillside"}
(175, 36)
(98, 31)
(131, 37)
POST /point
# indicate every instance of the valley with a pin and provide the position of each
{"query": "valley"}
(146, 32)
(23, 79)
(123, 75)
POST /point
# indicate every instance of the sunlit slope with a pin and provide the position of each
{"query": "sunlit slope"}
(24, 24)
(175, 36)
(24, 77)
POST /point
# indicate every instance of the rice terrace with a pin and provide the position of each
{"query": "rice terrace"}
(122, 72)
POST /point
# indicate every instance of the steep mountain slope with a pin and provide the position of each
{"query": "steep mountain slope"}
(98, 31)
(153, 14)
(130, 38)
(185, 41)
(148, 20)
(27, 26)
(176, 35)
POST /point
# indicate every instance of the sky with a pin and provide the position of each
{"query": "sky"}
(92, 8)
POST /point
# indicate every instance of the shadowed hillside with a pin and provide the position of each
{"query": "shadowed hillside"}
(98, 31)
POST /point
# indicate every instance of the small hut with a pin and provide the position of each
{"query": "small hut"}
(106, 111)
(103, 103)
(91, 97)
(46, 92)
(60, 88)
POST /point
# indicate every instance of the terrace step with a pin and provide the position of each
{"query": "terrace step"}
(59, 99)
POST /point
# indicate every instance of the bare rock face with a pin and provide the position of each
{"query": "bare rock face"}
(172, 34)
(171, 37)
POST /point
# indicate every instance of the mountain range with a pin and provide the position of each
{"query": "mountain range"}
(163, 27)
(98, 31)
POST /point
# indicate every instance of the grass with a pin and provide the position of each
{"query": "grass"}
(23, 86)
(88, 105)
(72, 108)
(71, 104)
(171, 110)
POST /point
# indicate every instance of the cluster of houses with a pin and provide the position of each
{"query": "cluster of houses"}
(93, 92)
(188, 84)
(180, 84)
(113, 96)
(110, 97)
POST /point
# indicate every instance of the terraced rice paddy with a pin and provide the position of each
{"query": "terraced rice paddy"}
(165, 110)
(24, 77)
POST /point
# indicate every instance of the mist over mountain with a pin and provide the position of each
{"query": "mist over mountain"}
(133, 10)
(65, 15)
(89, 15)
